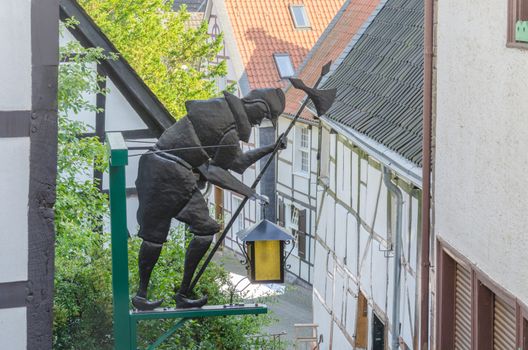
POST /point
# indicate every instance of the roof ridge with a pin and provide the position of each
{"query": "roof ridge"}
(354, 40)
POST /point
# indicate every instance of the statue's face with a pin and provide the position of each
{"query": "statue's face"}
(264, 103)
(257, 111)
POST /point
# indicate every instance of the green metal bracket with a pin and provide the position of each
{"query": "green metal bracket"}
(126, 320)
(167, 334)
(118, 225)
(521, 31)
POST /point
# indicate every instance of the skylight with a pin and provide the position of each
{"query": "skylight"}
(300, 18)
(284, 65)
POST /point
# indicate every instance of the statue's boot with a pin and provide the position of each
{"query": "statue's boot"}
(148, 257)
(195, 252)
(182, 302)
(144, 304)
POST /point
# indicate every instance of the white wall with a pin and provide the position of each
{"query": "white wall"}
(355, 228)
(300, 190)
(15, 55)
(481, 197)
(15, 94)
(13, 328)
(14, 189)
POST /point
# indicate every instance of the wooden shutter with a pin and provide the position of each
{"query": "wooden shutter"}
(301, 240)
(462, 309)
(503, 326)
(362, 322)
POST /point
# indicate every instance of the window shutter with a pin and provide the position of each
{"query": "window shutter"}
(301, 241)
(503, 325)
(462, 309)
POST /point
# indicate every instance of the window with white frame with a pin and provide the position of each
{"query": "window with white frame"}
(302, 150)
(294, 219)
(299, 16)
(284, 65)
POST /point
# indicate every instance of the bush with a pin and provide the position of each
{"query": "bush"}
(83, 301)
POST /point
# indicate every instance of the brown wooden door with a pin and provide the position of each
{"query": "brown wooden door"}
(362, 322)
(219, 208)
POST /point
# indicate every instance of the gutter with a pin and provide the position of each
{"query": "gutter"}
(387, 157)
(426, 173)
(392, 188)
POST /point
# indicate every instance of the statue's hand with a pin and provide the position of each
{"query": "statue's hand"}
(263, 199)
(282, 142)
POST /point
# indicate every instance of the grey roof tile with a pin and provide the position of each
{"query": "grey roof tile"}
(380, 80)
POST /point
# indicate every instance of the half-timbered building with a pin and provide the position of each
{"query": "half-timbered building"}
(264, 43)
(367, 221)
(28, 158)
(129, 106)
(297, 165)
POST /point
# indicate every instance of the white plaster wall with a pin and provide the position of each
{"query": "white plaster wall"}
(13, 335)
(368, 266)
(15, 55)
(119, 113)
(236, 69)
(14, 189)
(481, 196)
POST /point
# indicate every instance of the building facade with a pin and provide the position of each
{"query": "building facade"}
(297, 166)
(28, 140)
(129, 106)
(480, 197)
(264, 43)
(368, 216)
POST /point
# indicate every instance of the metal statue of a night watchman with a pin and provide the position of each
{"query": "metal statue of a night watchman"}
(204, 144)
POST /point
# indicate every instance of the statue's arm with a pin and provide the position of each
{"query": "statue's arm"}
(243, 160)
(223, 178)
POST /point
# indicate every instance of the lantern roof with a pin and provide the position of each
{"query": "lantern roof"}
(264, 230)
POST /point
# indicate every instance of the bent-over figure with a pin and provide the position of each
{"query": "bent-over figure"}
(205, 141)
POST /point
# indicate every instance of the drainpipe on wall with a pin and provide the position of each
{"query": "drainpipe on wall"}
(426, 172)
(392, 188)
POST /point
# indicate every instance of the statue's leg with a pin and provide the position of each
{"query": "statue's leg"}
(148, 257)
(154, 228)
(196, 215)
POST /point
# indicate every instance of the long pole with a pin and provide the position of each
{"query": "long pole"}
(255, 183)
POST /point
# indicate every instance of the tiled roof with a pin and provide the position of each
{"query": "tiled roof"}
(329, 47)
(264, 27)
(380, 80)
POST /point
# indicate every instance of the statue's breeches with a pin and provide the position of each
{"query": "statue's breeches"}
(166, 190)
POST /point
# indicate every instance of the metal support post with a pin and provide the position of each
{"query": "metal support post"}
(118, 224)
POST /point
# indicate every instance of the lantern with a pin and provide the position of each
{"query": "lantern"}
(264, 249)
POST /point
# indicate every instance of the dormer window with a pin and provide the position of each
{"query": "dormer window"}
(284, 65)
(300, 18)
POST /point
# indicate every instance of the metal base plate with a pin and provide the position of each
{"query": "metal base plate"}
(205, 311)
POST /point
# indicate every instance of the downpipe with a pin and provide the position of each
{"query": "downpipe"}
(392, 188)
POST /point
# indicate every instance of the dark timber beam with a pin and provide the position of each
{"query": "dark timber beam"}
(141, 98)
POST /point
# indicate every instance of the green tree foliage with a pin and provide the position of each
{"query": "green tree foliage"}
(83, 292)
(172, 57)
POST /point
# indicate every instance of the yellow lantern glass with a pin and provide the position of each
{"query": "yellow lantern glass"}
(266, 261)
(265, 251)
